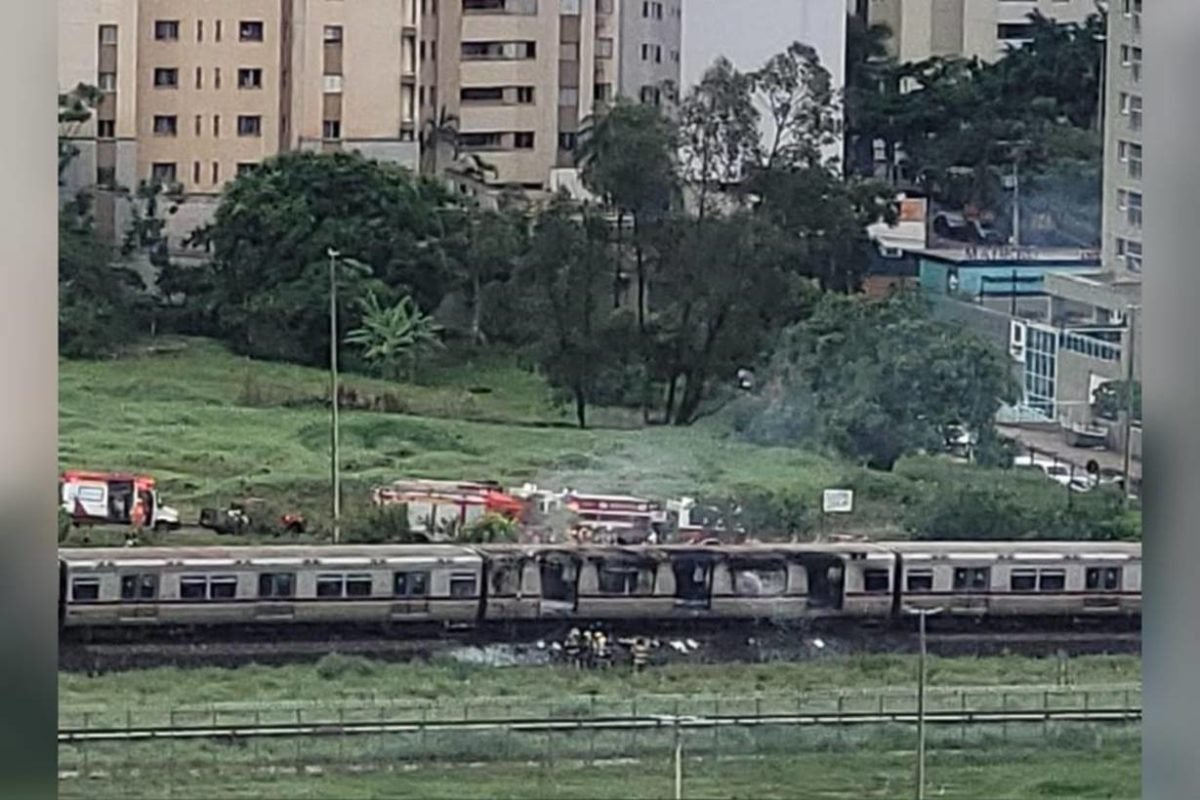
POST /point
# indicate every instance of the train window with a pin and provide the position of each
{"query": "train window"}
(193, 588)
(972, 579)
(1023, 580)
(330, 585)
(1103, 579)
(760, 582)
(223, 587)
(1052, 580)
(462, 585)
(920, 581)
(85, 590)
(618, 580)
(276, 584)
(139, 587)
(876, 580)
(418, 584)
(358, 586)
(400, 584)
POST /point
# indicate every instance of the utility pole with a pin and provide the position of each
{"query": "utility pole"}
(1130, 319)
(333, 373)
(1016, 212)
(921, 613)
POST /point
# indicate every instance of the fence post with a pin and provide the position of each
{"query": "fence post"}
(841, 704)
(1087, 696)
(1045, 714)
(962, 719)
(1004, 698)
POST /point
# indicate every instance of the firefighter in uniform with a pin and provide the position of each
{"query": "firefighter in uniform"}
(573, 648)
(641, 654)
(602, 650)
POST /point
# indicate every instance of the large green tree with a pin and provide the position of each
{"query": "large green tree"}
(879, 379)
(268, 284)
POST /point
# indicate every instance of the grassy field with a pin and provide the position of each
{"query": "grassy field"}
(358, 679)
(213, 427)
(1079, 763)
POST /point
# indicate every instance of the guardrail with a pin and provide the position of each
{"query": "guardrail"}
(890, 702)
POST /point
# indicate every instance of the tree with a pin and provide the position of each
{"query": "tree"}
(1111, 400)
(879, 379)
(270, 237)
(396, 335)
(437, 133)
(574, 330)
(625, 156)
(871, 89)
(797, 92)
(484, 247)
(75, 107)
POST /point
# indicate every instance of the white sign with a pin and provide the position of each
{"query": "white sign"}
(837, 501)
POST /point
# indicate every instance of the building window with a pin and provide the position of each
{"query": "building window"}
(196, 172)
(1041, 366)
(216, 172)
(333, 34)
(199, 30)
(249, 125)
(567, 141)
(217, 31)
(525, 95)
(165, 125)
(1130, 154)
(245, 168)
(1131, 203)
(602, 92)
(216, 77)
(331, 129)
(250, 78)
(106, 129)
(166, 30)
(108, 34)
(604, 47)
(523, 140)
(482, 94)
(250, 31)
(650, 95)
(652, 10)
(162, 172)
(569, 51)
(216, 125)
(1131, 106)
(1131, 251)
(479, 141)
(199, 77)
(1014, 31)
(499, 51)
(604, 6)
(568, 96)
(166, 77)
(107, 81)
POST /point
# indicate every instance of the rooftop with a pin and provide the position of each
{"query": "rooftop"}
(983, 255)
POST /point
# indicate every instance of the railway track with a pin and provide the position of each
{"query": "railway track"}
(625, 723)
(719, 647)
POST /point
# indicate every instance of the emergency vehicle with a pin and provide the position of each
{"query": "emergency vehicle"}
(434, 505)
(114, 498)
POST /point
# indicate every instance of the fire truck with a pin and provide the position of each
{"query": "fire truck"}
(114, 498)
(624, 517)
(434, 505)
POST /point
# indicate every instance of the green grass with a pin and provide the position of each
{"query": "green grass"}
(212, 426)
(1079, 764)
(174, 687)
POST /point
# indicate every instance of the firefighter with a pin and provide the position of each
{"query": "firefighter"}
(603, 654)
(641, 654)
(574, 647)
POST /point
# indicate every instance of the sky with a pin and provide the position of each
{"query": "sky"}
(748, 32)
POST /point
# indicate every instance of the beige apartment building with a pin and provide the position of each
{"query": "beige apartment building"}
(193, 93)
(967, 28)
(521, 77)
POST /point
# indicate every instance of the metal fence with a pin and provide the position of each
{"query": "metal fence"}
(134, 744)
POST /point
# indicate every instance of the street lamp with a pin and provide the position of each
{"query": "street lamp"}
(921, 614)
(333, 367)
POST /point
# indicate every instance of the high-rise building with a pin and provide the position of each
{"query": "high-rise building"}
(1122, 221)
(967, 28)
(512, 82)
(193, 93)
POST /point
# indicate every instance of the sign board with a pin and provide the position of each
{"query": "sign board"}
(837, 501)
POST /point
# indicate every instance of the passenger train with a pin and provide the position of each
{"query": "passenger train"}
(394, 586)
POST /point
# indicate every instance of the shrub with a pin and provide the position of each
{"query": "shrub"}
(338, 665)
(379, 525)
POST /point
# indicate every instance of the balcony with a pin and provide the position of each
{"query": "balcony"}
(484, 7)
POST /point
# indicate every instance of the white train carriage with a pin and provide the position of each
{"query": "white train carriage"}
(239, 585)
(1015, 579)
(868, 580)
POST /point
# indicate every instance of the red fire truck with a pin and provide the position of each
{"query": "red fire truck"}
(434, 504)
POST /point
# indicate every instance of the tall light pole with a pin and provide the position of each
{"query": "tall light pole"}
(1131, 321)
(921, 613)
(333, 375)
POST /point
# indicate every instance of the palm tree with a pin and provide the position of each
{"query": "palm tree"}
(438, 131)
(395, 335)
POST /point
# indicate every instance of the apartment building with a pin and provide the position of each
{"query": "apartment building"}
(966, 28)
(195, 93)
(1123, 97)
(521, 77)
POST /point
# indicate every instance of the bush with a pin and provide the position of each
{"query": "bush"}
(64, 525)
(380, 525)
(338, 665)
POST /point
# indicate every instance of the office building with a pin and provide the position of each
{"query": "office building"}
(966, 28)
(192, 94)
(521, 77)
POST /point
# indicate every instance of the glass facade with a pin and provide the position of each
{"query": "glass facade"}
(1041, 357)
